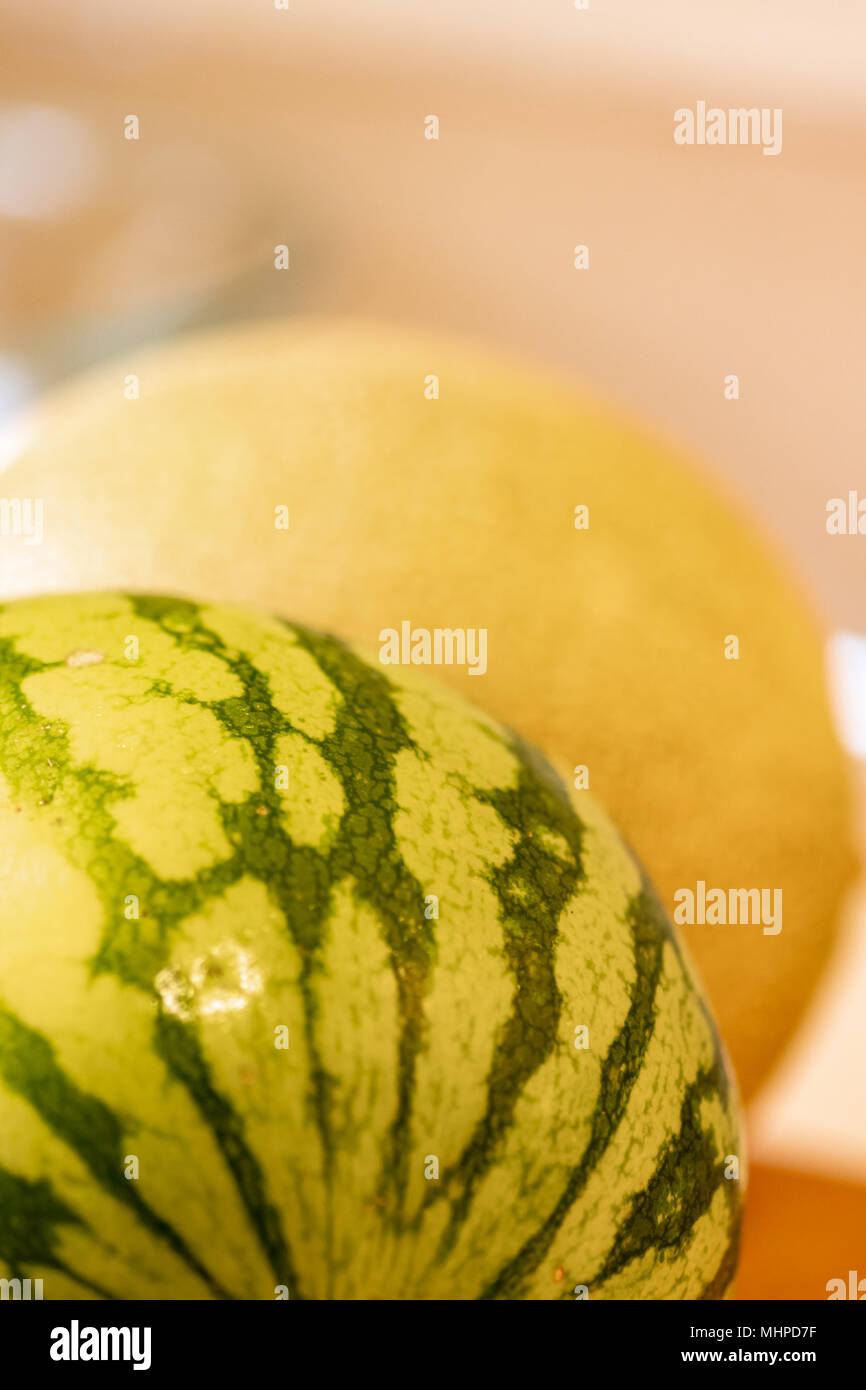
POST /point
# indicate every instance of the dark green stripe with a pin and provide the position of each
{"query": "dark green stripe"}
(686, 1177)
(297, 881)
(621, 1067)
(721, 1070)
(361, 751)
(721, 1280)
(92, 1130)
(30, 1213)
(179, 1046)
(532, 887)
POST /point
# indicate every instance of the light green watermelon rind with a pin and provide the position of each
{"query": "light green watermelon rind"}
(532, 884)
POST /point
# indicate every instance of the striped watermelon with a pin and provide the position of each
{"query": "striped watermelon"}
(318, 983)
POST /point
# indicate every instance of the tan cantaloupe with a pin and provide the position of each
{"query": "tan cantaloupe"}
(606, 645)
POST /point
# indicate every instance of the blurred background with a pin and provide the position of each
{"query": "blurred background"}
(304, 125)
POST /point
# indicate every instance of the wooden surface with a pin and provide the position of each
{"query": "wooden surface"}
(800, 1231)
